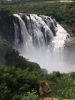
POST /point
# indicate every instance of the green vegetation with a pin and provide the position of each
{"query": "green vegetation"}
(62, 12)
(20, 1)
(19, 84)
(15, 83)
(62, 85)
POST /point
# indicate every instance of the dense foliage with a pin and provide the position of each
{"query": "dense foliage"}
(62, 85)
(18, 84)
(15, 82)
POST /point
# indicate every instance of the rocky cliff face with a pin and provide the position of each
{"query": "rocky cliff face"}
(7, 28)
(6, 34)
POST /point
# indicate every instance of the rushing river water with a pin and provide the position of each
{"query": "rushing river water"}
(60, 60)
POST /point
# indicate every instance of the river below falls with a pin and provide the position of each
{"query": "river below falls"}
(58, 60)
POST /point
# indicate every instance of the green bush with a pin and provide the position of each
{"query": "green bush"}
(31, 96)
(62, 85)
(15, 82)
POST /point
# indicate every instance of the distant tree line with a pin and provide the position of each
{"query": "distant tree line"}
(14, 1)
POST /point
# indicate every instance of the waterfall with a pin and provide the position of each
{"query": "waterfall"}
(42, 37)
(26, 38)
(42, 33)
(16, 34)
(59, 40)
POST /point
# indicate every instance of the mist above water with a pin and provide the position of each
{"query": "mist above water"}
(44, 42)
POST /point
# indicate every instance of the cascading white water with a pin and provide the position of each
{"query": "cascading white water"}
(45, 39)
(16, 34)
(61, 36)
(37, 24)
(25, 36)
